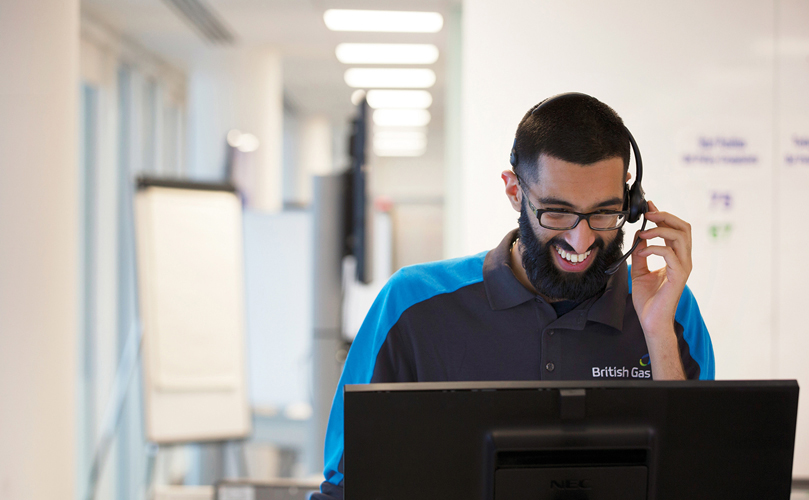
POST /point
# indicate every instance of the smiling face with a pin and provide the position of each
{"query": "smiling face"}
(578, 188)
(570, 264)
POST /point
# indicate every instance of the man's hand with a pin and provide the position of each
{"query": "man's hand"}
(656, 294)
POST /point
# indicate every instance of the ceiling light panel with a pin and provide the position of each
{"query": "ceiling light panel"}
(383, 20)
(401, 117)
(381, 151)
(415, 78)
(387, 53)
(403, 145)
(407, 130)
(412, 99)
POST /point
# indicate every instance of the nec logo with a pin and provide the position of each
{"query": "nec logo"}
(571, 484)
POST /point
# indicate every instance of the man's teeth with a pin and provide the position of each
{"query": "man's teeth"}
(572, 257)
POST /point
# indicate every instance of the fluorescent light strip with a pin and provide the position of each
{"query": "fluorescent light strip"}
(400, 144)
(401, 117)
(396, 78)
(386, 53)
(400, 135)
(412, 130)
(399, 152)
(412, 99)
(383, 20)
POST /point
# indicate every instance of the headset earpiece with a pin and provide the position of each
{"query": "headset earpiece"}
(636, 196)
(637, 202)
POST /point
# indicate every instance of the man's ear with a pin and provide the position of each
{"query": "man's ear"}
(513, 191)
(628, 176)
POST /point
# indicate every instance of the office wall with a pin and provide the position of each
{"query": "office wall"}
(237, 89)
(714, 93)
(39, 230)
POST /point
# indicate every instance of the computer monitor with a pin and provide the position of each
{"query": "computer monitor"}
(359, 220)
(622, 440)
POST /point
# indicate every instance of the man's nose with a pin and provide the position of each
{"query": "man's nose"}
(581, 237)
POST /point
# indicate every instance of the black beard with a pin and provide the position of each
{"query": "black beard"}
(555, 284)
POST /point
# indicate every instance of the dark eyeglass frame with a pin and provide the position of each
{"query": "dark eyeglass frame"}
(579, 216)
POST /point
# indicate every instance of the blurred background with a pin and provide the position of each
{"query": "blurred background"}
(268, 95)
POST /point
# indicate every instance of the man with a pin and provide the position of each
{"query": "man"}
(541, 305)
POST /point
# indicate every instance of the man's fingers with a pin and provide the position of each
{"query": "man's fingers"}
(675, 272)
(678, 240)
(667, 233)
(665, 219)
(674, 230)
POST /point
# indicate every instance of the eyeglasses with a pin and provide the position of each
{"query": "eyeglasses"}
(562, 220)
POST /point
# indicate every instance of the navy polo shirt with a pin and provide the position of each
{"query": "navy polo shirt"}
(470, 319)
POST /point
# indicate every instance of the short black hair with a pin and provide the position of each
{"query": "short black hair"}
(576, 128)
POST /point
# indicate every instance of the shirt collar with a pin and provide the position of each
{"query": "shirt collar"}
(502, 287)
(505, 291)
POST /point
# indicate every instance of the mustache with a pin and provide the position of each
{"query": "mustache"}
(559, 242)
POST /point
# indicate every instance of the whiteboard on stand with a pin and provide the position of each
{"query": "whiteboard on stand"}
(191, 294)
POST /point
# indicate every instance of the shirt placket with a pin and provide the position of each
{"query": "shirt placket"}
(551, 356)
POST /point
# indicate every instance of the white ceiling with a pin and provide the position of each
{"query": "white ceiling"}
(313, 78)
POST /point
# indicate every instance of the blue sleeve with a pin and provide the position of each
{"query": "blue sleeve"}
(358, 369)
(696, 334)
(406, 287)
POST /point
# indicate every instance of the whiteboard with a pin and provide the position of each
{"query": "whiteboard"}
(191, 294)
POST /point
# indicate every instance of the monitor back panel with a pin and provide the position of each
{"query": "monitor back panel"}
(503, 440)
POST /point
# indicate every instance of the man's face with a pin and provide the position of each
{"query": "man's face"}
(570, 264)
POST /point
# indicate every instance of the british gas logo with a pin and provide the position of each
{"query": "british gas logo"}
(623, 372)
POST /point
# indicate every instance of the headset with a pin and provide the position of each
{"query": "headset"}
(634, 197)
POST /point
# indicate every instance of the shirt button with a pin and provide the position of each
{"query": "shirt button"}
(550, 332)
(549, 367)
